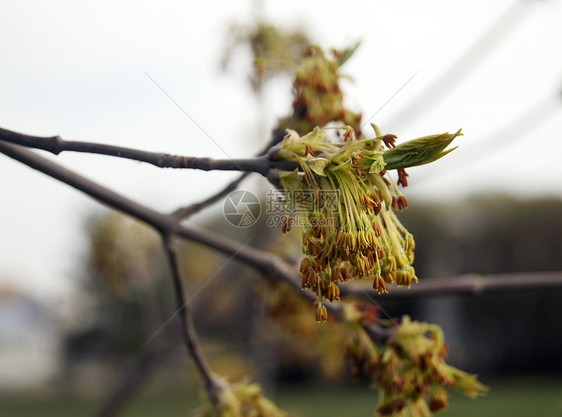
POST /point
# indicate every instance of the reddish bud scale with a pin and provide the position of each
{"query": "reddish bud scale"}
(336, 275)
(389, 140)
(321, 313)
(317, 232)
(438, 403)
(379, 284)
(391, 407)
(367, 200)
(333, 292)
(340, 238)
(304, 265)
(312, 249)
(312, 278)
(360, 173)
(402, 177)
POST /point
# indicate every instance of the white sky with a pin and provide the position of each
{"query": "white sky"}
(76, 69)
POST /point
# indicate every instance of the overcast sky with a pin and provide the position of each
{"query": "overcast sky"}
(77, 69)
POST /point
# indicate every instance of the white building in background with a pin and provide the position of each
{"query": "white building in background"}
(30, 343)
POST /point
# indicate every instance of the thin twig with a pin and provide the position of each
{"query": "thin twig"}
(471, 284)
(55, 144)
(213, 385)
(185, 212)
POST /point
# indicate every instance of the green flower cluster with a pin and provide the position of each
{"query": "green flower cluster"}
(318, 98)
(275, 51)
(241, 399)
(409, 370)
(351, 229)
(412, 373)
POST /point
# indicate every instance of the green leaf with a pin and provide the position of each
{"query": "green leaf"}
(289, 175)
(378, 164)
(344, 166)
(419, 151)
(317, 165)
(347, 53)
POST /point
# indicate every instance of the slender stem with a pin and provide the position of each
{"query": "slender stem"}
(56, 145)
(185, 212)
(213, 385)
(472, 284)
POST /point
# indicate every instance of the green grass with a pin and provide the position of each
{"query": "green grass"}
(516, 397)
(509, 398)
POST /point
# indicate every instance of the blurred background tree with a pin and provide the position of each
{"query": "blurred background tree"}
(482, 235)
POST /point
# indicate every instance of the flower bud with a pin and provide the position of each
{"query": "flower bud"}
(321, 313)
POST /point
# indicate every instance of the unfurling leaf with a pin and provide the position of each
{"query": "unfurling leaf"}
(419, 151)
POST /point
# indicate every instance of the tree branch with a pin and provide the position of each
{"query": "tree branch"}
(213, 385)
(185, 212)
(55, 144)
(471, 284)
